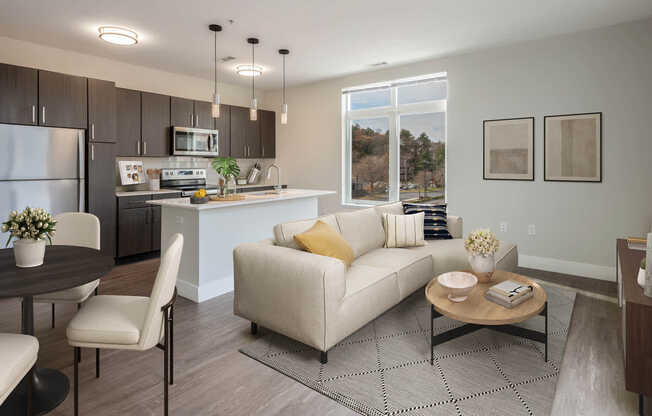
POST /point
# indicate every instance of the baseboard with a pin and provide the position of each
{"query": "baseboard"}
(206, 291)
(568, 267)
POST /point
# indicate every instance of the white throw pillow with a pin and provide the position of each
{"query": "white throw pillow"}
(403, 230)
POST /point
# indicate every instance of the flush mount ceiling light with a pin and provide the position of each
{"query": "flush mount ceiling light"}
(249, 70)
(118, 35)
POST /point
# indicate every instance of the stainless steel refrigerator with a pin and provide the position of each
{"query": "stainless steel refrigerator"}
(41, 167)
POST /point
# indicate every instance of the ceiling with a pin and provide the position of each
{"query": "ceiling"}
(326, 38)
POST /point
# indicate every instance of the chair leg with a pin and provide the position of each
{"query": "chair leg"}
(323, 358)
(172, 345)
(76, 381)
(96, 289)
(254, 328)
(165, 367)
(53, 316)
(30, 389)
(97, 363)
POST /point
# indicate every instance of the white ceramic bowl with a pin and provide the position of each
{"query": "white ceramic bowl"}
(458, 284)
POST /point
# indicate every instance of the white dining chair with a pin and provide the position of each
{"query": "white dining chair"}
(131, 322)
(18, 354)
(74, 229)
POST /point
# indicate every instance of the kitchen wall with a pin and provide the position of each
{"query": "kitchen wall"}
(125, 75)
(195, 162)
(604, 70)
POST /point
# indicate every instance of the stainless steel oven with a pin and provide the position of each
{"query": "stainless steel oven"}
(194, 142)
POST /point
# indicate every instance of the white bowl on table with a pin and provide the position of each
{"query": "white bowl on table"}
(458, 284)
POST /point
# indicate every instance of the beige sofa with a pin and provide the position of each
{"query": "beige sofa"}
(316, 300)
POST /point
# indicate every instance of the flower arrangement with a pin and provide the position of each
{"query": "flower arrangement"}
(481, 243)
(30, 224)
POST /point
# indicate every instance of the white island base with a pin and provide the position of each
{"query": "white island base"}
(211, 231)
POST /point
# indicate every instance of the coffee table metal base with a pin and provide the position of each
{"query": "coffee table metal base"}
(468, 328)
(50, 389)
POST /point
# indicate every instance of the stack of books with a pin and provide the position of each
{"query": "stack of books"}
(509, 293)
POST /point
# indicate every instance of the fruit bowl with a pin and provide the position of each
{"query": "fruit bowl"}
(196, 200)
(458, 285)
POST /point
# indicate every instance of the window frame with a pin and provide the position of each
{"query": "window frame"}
(394, 113)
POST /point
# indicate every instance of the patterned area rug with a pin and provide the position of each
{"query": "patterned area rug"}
(384, 368)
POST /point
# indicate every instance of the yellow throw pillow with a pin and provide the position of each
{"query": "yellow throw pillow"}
(324, 240)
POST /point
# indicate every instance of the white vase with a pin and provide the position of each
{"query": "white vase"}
(640, 279)
(29, 253)
(483, 267)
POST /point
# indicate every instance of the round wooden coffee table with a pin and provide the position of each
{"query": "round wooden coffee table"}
(478, 312)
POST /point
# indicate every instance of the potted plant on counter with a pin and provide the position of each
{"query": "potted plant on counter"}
(30, 228)
(481, 246)
(228, 169)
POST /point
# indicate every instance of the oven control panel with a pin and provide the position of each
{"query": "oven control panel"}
(181, 173)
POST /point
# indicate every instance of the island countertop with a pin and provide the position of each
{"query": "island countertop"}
(250, 199)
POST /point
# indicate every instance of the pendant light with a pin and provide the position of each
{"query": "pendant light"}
(284, 107)
(253, 110)
(215, 105)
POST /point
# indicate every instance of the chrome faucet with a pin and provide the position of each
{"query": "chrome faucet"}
(277, 187)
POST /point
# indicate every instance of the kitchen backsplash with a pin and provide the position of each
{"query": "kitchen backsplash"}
(193, 162)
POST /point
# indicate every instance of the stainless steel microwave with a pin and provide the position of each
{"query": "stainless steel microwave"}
(188, 141)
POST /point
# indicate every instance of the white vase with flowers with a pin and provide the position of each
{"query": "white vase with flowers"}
(29, 228)
(482, 245)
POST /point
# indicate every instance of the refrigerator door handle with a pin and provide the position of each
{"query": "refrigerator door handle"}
(81, 195)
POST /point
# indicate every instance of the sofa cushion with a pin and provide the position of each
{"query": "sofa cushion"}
(450, 255)
(403, 230)
(413, 268)
(324, 240)
(285, 231)
(435, 226)
(362, 277)
(395, 208)
(362, 229)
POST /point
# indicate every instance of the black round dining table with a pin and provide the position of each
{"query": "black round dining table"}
(64, 267)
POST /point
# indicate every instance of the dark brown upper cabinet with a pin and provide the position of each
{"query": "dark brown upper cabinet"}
(102, 107)
(155, 121)
(128, 122)
(223, 127)
(182, 113)
(62, 100)
(101, 192)
(267, 133)
(203, 115)
(18, 95)
(245, 134)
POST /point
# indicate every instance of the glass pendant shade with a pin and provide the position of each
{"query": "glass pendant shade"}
(253, 111)
(284, 114)
(215, 106)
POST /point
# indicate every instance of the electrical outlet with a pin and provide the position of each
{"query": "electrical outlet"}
(503, 227)
(531, 229)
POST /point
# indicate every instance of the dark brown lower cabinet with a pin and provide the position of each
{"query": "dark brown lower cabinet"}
(100, 199)
(139, 224)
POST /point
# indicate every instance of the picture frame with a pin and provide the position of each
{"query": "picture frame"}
(572, 147)
(508, 149)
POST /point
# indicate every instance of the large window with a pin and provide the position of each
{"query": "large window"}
(395, 141)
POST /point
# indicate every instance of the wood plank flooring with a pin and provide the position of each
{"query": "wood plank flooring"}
(212, 377)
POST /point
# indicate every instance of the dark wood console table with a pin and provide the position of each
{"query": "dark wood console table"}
(636, 314)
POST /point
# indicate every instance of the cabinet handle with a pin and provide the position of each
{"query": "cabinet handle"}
(263, 151)
(34, 114)
(93, 130)
(191, 119)
(92, 152)
(144, 147)
(138, 147)
(197, 120)
(43, 114)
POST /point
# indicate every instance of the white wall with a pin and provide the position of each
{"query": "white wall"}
(604, 70)
(125, 75)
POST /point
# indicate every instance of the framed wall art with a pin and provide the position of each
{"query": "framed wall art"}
(572, 147)
(508, 149)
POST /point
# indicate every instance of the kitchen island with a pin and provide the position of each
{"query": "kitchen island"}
(211, 231)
